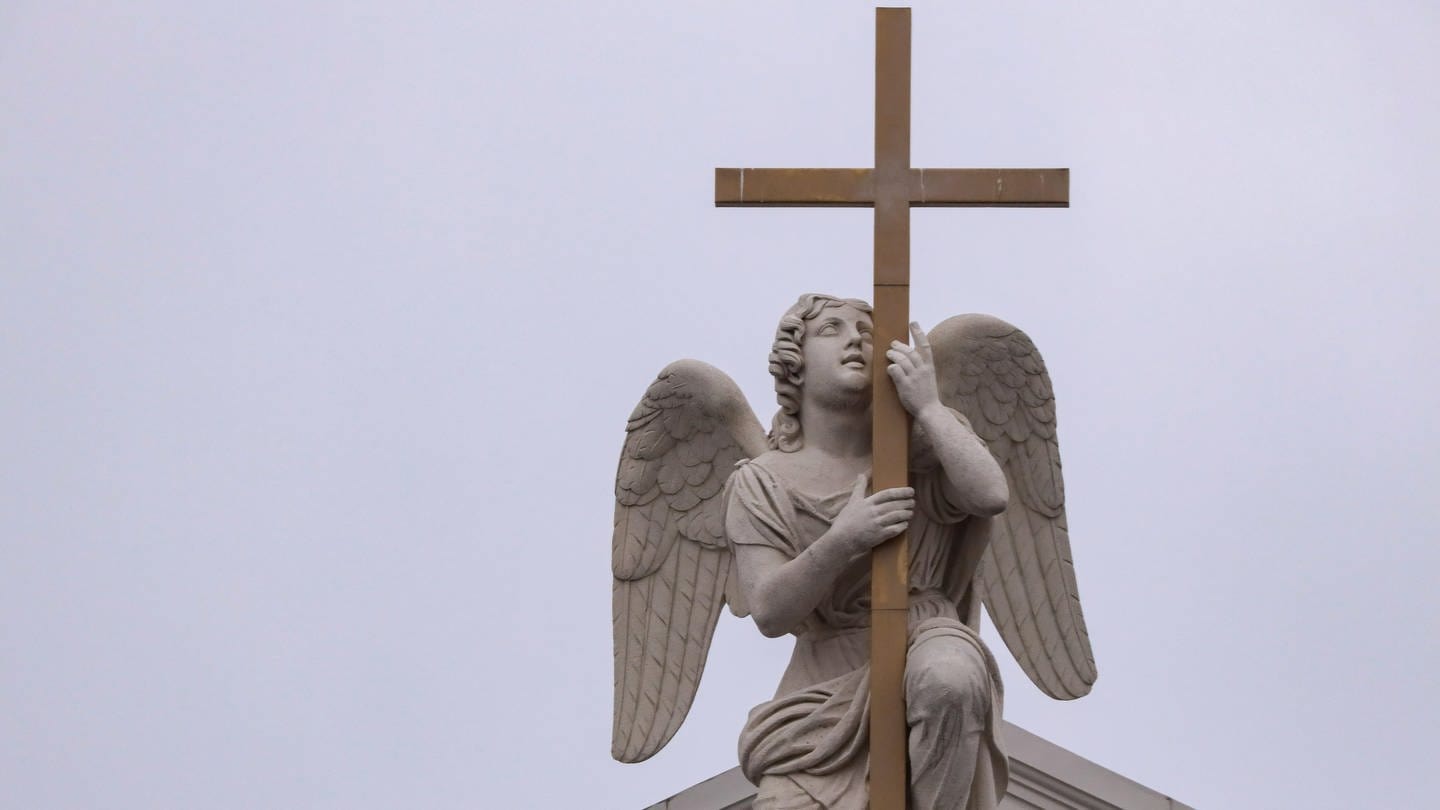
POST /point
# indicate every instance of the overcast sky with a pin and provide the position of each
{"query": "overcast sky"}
(321, 323)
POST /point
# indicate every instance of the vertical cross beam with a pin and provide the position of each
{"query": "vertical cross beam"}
(890, 424)
(892, 188)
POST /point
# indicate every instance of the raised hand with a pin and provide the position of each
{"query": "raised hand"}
(866, 522)
(912, 369)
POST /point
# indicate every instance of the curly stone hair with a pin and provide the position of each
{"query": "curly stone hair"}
(787, 365)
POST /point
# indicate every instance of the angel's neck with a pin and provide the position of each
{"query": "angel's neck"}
(842, 434)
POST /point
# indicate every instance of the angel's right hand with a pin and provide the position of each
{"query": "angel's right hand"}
(866, 522)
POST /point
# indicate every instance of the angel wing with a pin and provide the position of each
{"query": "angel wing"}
(669, 556)
(991, 372)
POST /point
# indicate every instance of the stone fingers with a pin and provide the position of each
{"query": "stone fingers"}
(893, 494)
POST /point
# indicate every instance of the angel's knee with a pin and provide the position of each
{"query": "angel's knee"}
(951, 685)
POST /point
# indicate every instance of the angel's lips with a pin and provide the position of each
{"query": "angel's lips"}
(853, 360)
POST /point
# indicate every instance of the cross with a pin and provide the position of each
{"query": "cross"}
(891, 188)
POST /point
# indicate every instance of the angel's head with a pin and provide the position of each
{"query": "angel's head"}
(833, 335)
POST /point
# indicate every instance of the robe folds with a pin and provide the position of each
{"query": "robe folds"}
(809, 747)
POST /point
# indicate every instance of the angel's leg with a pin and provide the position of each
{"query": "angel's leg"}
(947, 695)
(781, 793)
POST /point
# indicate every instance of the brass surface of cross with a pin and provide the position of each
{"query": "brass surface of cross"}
(892, 188)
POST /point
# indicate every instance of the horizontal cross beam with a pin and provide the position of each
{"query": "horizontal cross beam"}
(855, 188)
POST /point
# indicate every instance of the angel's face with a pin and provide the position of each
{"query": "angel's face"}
(837, 353)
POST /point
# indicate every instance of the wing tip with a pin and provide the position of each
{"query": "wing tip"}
(1082, 691)
(627, 756)
(1076, 686)
(630, 752)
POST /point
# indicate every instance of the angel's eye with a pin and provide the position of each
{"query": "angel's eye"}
(827, 329)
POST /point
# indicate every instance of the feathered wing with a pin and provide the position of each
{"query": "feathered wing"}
(991, 372)
(670, 559)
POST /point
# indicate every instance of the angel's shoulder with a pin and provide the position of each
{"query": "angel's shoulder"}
(779, 464)
(770, 458)
(804, 474)
(767, 469)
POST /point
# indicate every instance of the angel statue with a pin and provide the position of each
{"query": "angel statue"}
(710, 510)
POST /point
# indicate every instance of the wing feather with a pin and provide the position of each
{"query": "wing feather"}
(671, 565)
(711, 568)
(660, 675)
(991, 372)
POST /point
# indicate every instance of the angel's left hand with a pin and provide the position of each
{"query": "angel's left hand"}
(912, 369)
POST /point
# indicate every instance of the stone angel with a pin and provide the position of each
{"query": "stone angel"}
(711, 511)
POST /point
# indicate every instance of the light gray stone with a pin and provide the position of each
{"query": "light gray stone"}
(1043, 776)
(710, 511)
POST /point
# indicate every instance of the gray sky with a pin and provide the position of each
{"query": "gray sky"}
(321, 324)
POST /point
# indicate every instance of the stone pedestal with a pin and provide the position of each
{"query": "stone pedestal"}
(1043, 776)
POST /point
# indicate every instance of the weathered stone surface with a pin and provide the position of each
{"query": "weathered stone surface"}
(1043, 776)
(710, 511)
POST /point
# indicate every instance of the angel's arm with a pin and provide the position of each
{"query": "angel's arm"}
(782, 591)
(974, 481)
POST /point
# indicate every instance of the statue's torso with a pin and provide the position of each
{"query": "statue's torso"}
(834, 639)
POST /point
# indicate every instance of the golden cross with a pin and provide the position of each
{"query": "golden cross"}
(891, 188)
